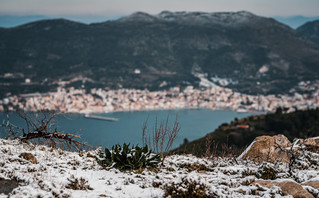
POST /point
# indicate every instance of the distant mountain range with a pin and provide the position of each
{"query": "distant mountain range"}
(295, 21)
(8, 21)
(255, 54)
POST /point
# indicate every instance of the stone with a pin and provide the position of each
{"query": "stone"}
(268, 148)
(312, 144)
(287, 187)
(314, 184)
(6, 185)
(29, 157)
(294, 189)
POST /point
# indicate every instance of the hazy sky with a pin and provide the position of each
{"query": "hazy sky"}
(114, 8)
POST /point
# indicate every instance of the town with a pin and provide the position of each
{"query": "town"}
(71, 100)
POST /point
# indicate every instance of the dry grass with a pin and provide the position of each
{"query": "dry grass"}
(162, 137)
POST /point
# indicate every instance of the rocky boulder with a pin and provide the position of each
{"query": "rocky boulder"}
(287, 187)
(309, 144)
(268, 148)
(7, 185)
(29, 157)
(312, 144)
(314, 184)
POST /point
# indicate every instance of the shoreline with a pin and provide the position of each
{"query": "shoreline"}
(140, 110)
(96, 101)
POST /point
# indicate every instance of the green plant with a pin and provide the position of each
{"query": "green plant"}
(125, 158)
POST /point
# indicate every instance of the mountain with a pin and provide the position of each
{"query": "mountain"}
(240, 133)
(310, 30)
(8, 21)
(143, 51)
(295, 21)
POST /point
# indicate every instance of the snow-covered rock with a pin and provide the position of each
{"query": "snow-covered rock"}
(268, 148)
(287, 188)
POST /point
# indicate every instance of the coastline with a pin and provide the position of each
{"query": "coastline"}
(139, 110)
(96, 101)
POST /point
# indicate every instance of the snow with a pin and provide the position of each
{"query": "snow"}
(50, 177)
(247, 149)
(196, 18)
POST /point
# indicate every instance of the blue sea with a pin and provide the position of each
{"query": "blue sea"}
(194, 124)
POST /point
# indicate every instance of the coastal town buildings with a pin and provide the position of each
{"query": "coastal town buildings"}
(71, 100)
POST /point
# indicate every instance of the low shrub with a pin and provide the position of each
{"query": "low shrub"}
(188, 188)
(126, 158)
(266, 171)
(78, 184)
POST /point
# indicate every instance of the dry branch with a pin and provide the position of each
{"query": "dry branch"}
(41, 128)
(162, 137)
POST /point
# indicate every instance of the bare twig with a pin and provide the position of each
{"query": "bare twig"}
(162, 137)
(41, 128)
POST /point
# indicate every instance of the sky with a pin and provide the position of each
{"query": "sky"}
(116, 8)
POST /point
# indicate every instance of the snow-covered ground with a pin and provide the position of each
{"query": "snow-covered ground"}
(56, 172)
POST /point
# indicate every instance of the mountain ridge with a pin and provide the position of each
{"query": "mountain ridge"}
(196, 18)
(310, 30)
(110, 52)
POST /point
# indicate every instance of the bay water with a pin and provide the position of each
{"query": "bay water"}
(194, 124)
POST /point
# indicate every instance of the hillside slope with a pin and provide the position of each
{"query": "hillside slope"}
(143, 51)
(310, 30)
(240, 133)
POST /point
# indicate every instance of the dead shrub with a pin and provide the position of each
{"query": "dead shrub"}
(161, 138)
(187, 188)
(78, 184)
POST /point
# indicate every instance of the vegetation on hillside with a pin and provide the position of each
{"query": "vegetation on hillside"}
(232, 138)
(234, 45)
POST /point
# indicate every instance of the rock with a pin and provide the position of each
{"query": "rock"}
(268, 148)
(6, 186)
(264, 183)
(29, 157)
(309, 144)
(312, 144)
(314, 184)
(294, 189)
(287, 187)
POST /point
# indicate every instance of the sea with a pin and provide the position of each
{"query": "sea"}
(193, 123)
